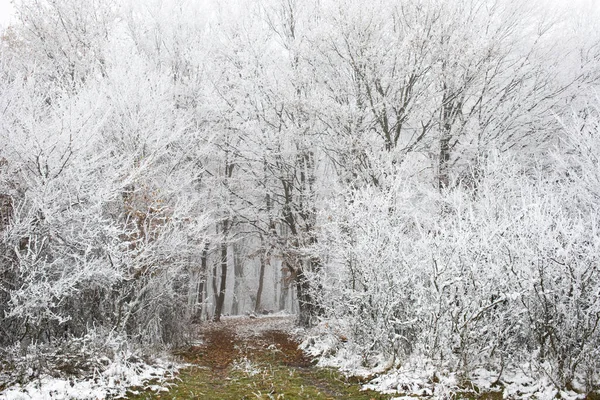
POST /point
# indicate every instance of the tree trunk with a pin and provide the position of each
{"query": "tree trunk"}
(226, 226)
(223, 286)
(444, 159)
(238, 271)
(261, 279)
(215, 290)
(202, 283)
(451, 109)
(446, 135)
(285, 287)
(308, 307)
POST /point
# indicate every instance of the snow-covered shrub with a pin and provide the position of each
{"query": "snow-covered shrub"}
(372, 281)
(489, 276)
(97, 366)
(91, 235)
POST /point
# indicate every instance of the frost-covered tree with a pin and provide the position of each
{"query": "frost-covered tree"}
(492, 277)
(423, 175)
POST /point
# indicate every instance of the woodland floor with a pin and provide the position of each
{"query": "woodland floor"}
(245, 358)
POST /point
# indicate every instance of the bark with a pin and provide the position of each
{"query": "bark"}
(226, 226)
(444, 156)
(261, 279)
(214, 282)
(285, 285)
(451, 111)
(6, 211)
(444, 159)
(223, 286)
(308, 306)
(238, 271)
(299, 215)
(202, 283)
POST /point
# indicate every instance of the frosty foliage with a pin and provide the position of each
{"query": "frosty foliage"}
(420, 179)
(97, 366)
(492, 278)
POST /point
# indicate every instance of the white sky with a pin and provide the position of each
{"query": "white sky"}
(7, 9)
(6, 12)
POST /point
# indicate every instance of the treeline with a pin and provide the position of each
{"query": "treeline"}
(424, 174)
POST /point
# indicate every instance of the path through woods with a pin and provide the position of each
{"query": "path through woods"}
(255, 358)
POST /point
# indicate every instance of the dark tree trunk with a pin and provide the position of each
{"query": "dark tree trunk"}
(226, 226)
(261, 279)
(444, 156)
(223, 285)
(308, 306)
(202, 284)
(451, 110)
(238, 271)
(444, 159)
(215, 282)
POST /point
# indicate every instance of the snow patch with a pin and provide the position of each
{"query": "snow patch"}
(418, 377)
(113, 382)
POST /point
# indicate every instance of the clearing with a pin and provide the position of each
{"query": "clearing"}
(254, 358)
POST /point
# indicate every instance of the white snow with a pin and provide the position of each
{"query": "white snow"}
(420, 378)
(111, 383)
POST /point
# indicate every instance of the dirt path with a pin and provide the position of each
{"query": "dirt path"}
(255, 358)
(241, 337)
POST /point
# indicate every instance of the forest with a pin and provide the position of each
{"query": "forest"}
(417, 181)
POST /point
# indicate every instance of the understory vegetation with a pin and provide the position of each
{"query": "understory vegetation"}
(504, 277)
(418, 181)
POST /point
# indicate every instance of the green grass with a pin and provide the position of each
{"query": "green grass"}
(269, 366)
(270, 382)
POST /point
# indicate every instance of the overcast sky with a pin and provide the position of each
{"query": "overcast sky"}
(6, 11)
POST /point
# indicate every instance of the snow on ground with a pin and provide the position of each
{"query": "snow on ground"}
(414, 378)
(254, 325)
(126, 371)
(113, 382)
(419, 378)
